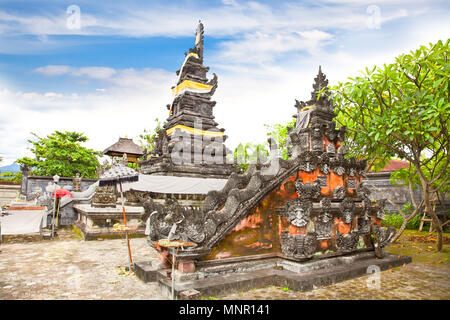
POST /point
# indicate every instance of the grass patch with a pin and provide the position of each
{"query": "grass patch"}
(423, 252)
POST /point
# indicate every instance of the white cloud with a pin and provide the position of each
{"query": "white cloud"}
(101, 73)
(270, 58)
(260, 48)
(130, 103)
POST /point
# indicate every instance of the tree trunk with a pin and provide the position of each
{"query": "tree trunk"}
(406, 219)
(429, 210)
(399, 231)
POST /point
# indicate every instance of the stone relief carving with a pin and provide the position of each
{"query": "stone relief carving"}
(331, 148)
(308, 161)
(351, 184)
(347, 208)
(337, 164)
(339, 192)
(324, 163)
(308, 190)
(347, 242)
(298, 212)
(298, 245)
(324, 221)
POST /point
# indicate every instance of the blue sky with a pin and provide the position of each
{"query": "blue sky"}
(111, 76)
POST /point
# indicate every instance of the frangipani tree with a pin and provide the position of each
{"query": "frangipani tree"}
(402, 110)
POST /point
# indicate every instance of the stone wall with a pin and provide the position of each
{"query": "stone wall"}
(8, 192)
(381, 188)
(379, 184)
(31, 182)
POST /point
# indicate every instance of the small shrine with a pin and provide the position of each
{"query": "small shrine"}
(303, 222)
(125, 147)
(190, 144)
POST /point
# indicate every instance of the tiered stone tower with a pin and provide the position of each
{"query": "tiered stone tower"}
(190, 144)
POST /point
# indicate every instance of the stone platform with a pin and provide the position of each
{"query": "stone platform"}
(98, 222)
(224, 278)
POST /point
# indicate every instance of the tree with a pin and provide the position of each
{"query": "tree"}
(244, 154)
(402, 110)
(15, 177)
(280, 133)
(61, 153)
(148, 138)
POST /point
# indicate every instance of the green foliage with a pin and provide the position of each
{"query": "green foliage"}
(15, 177)
(248, 153)
(280, 133)
(396, 220)
(399, 108)
(148, 138)
(61, 153)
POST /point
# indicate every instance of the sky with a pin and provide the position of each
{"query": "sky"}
(106, 69)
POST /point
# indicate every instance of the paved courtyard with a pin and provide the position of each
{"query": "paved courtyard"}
(70, 268)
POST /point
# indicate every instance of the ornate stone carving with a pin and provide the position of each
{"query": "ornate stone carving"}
(322, 181)
(331, 132)
(347, 242)
(303, 141)
(324, 163)
(171, 221)
(347, 208)
(339, 192)
(364, 218)
(351, 183)
(383, 235)
(316, 138)
(331, 148)
(380, 208)
(298, 212)
(76, 181)
(297, 245)
(308, 161)
(338, 165)
(363, 191)
(324, 221)
(308, 190)
(104, 197)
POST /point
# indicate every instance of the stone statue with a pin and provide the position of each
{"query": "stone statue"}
(77, 183)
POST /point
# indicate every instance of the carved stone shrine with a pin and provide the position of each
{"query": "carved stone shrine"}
(303, 222)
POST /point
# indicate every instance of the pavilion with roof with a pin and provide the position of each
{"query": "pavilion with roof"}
(125, 146)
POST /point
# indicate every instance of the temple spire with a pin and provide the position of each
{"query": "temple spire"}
(199, 41)
(320, 82)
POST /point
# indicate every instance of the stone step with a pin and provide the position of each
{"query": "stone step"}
(304, 281)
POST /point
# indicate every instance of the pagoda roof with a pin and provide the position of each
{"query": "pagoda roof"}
(124, 145)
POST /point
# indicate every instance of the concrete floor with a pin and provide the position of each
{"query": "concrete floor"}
(71, 268)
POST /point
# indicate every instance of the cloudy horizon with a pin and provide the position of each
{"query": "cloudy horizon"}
(110, 76)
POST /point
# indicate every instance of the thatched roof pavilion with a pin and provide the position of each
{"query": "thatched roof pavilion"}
(127, 146)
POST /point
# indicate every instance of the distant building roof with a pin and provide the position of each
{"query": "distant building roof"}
(393, 165)
(124, 145)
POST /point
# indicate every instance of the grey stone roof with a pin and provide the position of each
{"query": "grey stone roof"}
(124, 145)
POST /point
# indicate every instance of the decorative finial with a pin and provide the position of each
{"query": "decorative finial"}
(320, 82)
(199, 38)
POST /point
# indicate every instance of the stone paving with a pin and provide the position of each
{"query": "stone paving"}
(70, 268)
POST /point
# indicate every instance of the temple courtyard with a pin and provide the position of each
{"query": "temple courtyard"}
(71, 268)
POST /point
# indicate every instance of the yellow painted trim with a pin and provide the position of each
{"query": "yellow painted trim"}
(189, 84)
(195, 131)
